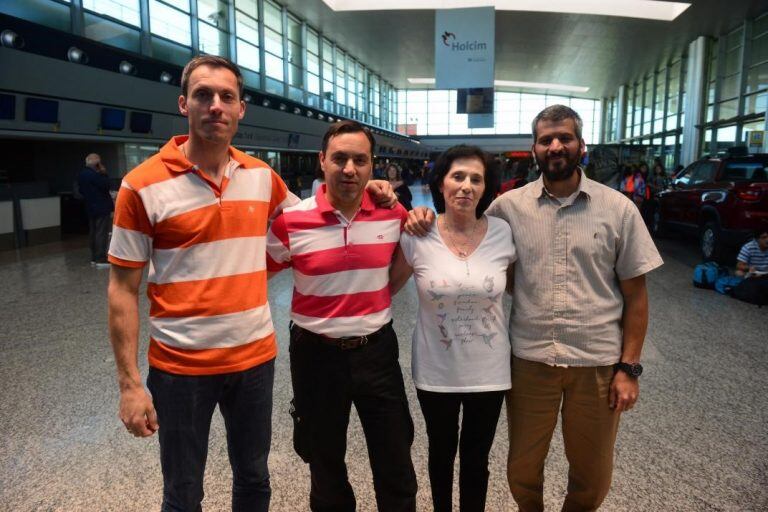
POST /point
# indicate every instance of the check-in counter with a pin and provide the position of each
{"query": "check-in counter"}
(7, 240)
(41, 219)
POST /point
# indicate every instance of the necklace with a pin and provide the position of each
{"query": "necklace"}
(462, 249)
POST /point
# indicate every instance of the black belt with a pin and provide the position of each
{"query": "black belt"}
(346, 342)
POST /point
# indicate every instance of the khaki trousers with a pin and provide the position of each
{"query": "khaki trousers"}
(589, 432)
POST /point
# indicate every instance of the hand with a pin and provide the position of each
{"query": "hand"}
(624, 392)
(382, 192)
(420, 221)
(137, 412)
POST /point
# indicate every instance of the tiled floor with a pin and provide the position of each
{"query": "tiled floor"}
(697, 440)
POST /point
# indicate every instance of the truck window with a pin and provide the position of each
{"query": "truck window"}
(745, 171)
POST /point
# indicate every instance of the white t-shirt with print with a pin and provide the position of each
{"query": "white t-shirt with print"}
(460, 343)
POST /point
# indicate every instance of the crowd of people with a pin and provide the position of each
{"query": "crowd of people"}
(216, 224)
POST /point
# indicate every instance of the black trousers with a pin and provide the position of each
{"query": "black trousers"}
(478, 428)
(326, 382)
(98, 234)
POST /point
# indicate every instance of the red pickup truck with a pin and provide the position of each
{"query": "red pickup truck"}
(721, 200)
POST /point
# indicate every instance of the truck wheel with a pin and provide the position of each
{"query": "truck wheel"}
(710, 241)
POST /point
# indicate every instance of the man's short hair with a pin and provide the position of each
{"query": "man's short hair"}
(760, 230)
(557, 113)
(92, 159)
(443, 165)
(214, 62)
(348, 126)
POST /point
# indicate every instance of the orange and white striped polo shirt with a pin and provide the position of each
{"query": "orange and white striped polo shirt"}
(206, 247)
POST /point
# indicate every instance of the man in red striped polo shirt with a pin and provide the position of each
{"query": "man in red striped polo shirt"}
(343, 349)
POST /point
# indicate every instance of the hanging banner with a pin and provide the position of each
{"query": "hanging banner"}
(464, 47)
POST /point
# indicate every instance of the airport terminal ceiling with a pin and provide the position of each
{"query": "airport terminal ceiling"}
(600, 52)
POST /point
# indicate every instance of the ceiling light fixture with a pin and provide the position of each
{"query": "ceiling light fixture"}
(127, 68)
(514, 83)
(11, 39)
(76, 55)
(643, 9)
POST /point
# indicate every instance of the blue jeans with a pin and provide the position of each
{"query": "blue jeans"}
(185, 405)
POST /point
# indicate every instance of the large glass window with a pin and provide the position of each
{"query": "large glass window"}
(295, 67)
(123, 10)
(170, 19)
(313, 62)
(247, 33)
(273, 41)
(673, 96)
(433, 112)
(327, 75)
(756, 83)
(212, 27)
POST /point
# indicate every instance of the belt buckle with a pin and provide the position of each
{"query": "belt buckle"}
(351, 342)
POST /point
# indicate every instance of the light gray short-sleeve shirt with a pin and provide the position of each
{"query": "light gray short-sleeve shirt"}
(567, 304)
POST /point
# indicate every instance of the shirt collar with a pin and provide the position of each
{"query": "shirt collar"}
(586, 186)
(175, 160)
(324, 206)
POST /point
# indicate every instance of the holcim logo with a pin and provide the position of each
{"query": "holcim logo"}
(449, 39)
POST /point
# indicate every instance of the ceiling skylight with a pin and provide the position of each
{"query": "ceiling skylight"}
(645, 9)
(513, 83)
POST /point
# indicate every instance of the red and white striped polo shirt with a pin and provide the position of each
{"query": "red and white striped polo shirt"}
(340, 267)
(205, 244)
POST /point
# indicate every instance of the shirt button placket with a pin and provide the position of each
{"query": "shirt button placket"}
(560, 249)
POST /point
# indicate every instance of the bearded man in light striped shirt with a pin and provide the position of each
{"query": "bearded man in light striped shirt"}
(579, 315)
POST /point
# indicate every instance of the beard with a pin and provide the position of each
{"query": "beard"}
(560, 171)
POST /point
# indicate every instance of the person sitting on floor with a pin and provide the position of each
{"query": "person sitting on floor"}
(753, 257)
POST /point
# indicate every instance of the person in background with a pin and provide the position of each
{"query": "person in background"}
(461, 350)
(627, 185)
(753, 256)
(655, 184)
(93, 185)
(318, 181)
(403, 193)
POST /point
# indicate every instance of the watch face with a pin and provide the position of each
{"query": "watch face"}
(635, 369)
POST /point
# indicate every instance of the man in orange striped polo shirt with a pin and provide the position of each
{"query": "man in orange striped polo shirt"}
(343, 348)
(197, 212)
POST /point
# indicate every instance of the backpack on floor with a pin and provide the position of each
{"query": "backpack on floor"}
(726, 284)
(705, 274)
(753, 290)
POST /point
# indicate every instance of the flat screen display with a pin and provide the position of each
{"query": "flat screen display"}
(141, 122)
(7, 106)
(474, 101)
(112, 119)
(41, 111)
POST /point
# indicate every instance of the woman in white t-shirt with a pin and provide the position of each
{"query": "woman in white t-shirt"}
(461, 350)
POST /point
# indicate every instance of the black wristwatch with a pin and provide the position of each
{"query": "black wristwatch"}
(634, 370)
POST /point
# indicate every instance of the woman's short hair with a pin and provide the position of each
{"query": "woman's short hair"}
(443, 165)
(397, 171)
